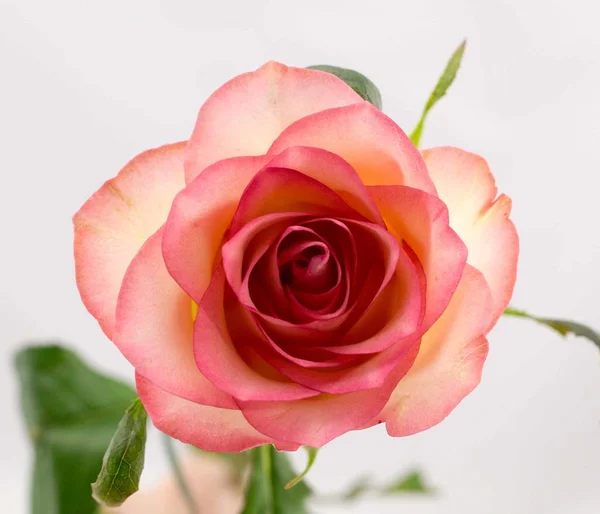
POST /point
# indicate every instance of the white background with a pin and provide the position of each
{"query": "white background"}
(84, 86)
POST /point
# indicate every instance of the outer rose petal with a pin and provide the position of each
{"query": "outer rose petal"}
(367, 139)
(245, 115)
(449, 363)
(422, 220)
(316, 421)
(465, 184)
(154, 329)
(209, 428)
(113, 224)
(200, 217)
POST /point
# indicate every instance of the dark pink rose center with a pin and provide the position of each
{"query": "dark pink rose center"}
(307, 266)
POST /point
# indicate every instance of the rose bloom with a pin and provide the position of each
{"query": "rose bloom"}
(297, 269)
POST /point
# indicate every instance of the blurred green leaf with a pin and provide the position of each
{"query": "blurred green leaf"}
(357, 489)
(71, 413)
(444, 82)
(357, 81)
(123, 461)
(312, 456)
(562, 326)
(266, 494)
(411, 483)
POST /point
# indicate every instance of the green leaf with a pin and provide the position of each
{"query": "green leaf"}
(357, 81)
(562, 326)
(411, 483)
(123, 461)
(266, 494)
(71, 413)
(312, 456)
(356, 489)
(444, 82)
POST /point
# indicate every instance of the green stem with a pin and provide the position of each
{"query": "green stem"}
(179, 477)
(415, 135)
(444, 82)
(267, 468)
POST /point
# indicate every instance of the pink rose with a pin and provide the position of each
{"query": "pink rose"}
(297, 269)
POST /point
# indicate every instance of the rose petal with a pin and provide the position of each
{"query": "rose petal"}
(351, 374)
(113, 224)
(154, 326)
(199, 218)
(319, 304)
(367, 139)
(422, 221)
(208, 428)
(316, 421)
(404, 310)
(449, 363)
(219, 359)
(350, 371)
(245, 115)
(246, 248)
(272, 353)
(465, 183)
(332, 171)
(282, 190)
